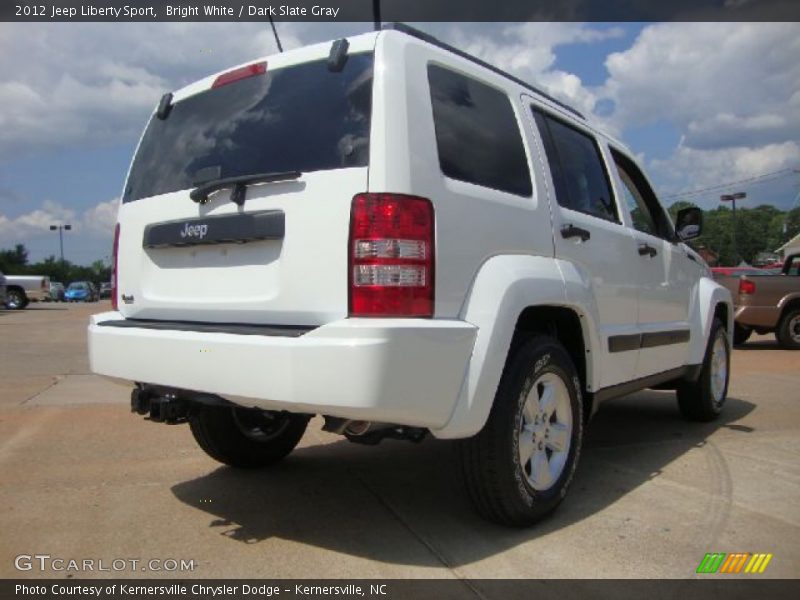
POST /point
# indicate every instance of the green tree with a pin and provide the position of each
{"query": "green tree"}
(792, 225)
(758, 229)
(14, 261)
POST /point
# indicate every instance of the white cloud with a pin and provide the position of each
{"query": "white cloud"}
(527, 50)
(96, 222)
(694, 169)
(732, 91)
(722, 84)
(101, 219)
(95, 83)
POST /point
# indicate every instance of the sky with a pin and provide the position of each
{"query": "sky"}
(708, 108)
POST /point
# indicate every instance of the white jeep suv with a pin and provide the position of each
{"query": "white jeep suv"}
(397, 236)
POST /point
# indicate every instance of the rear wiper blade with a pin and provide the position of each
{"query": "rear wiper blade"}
(239, 184)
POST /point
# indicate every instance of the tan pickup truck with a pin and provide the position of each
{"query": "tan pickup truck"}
(766, 303)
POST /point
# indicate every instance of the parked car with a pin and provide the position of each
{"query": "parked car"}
(774, 265)
(81, 291)
(737, 271)
(105, 289)
(57, 291)
(453, 253)
(22, 289)
(2, 290)
(767, 303)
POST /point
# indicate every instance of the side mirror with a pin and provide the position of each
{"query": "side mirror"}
(689, 224)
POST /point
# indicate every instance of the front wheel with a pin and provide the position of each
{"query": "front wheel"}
(788, 332)
(16, 300)
(518, 468)
(247, 438)
(702, 400)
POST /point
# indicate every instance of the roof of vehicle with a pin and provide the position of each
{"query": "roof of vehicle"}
(403, 28)
(363, 42)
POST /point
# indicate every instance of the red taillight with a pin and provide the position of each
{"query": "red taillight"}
(240, 73)
(747, 287)
(391, 256)
(115, 269)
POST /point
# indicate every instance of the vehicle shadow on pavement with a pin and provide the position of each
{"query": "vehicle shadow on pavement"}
(761, 345)
(404, 503)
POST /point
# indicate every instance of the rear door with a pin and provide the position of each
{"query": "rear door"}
(270, 252)
(591, 238)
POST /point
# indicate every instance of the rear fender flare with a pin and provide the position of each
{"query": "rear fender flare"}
(503, 288)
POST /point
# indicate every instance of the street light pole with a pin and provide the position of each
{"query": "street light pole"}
(732, 198)
(61, 229)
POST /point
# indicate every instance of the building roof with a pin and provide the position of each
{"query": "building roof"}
(795, 241)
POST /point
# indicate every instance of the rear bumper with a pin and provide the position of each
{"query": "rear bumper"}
(404, 371)
(758, 316)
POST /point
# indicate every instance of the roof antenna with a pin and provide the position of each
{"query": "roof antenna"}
(275, 33)
(376, 14)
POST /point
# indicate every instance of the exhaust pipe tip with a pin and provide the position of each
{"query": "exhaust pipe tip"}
(358, 427)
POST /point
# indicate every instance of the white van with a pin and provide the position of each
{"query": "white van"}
(394, 235)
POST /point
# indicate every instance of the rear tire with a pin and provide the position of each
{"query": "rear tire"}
(247, 438)
(740, 334)
(703, 399)
(518, 468)
(788, 332)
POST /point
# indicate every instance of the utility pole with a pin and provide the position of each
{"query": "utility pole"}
(732, 198)
(61, 229)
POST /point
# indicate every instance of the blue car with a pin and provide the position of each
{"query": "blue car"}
(80, 291)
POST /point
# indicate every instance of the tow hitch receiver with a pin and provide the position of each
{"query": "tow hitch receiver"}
(160, 408)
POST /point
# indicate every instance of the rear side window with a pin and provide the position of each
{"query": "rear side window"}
(580, 179)
(477, 135)
(299, 118)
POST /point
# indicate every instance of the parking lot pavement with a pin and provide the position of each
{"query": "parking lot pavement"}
(82, 478)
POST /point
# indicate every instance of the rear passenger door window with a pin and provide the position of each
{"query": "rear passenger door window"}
(580, 179)
(477, 134)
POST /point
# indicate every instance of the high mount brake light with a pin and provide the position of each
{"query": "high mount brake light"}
(115, 270)
(239, 74)
(391, 256)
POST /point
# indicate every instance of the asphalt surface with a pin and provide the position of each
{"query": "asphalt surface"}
(83, 478)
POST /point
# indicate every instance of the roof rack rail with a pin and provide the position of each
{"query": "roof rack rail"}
(425, 37)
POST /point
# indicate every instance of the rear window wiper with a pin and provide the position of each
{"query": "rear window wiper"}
(239, 184)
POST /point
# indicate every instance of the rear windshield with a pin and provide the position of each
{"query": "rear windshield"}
(300, 118)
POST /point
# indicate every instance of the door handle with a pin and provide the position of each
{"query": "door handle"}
(570, 231)
(647, 250)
